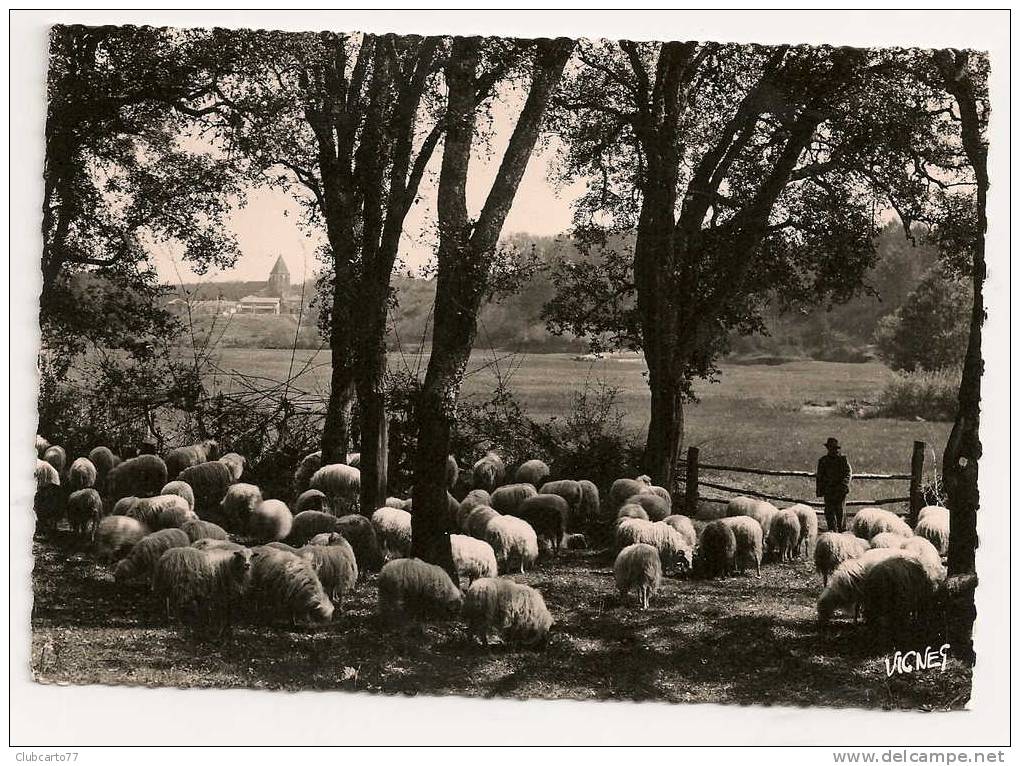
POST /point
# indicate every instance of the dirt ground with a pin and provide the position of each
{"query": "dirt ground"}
(738, 640)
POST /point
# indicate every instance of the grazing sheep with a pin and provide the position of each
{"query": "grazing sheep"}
(184, 457)
(750, 542)
(473, 558)
(141, 476)
(886, 540)
(623, 489)
(84, 511)
(784, 534)
(410, 589)
(763, 512)
(308, 524)
(869, 522)
(41, 445)
(395, 502)
(808, 518)
(589, 508)
(740, 506)
(104, 460)
(203, 586)
(833, 548)
(116, 536)
(56, 456)
(664, 494)
(489, 472)
(306, 469)
(50, 506)
(81, 475)
(513, 541)
(843, 590)
(895, 597)
(341, 484)
(478, 521)
(533, 472)
(142, 559)
(936, 510)
(285, 585)
(638, 567)
(209, 544)
(161, 511)
(569, 490)
(210, 482)
(673, 548)
(654, 506)
(312, 500)
(330, 538)
(547, 515)
(934, 527)
(474, 499)
(196, 530)
(507, 498)
(235, 463)
(270, 521)
(718, 549)
(336, 567)
(631, 511)
(393, 530)
(45, 475)
(361, 535)
(181, 488)
(927, 556)
(685, 527)
(575, 541)
(239, 503)
(123, 506)
(516, 612)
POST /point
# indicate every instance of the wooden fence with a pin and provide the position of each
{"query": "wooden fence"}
(693, 483)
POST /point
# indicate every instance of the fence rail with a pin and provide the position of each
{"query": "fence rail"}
(692, 483)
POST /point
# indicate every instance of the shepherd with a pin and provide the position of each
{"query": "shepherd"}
(832, 482)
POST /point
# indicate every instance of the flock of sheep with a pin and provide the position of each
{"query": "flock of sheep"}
(213, 549)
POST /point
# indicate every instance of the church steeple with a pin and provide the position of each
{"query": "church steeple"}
(279, 279)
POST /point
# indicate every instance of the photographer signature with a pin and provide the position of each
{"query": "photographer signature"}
(908, 662)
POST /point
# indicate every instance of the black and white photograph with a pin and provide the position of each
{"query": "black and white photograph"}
(390, 360)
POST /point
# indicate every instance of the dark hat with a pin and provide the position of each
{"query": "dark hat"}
(832, 441)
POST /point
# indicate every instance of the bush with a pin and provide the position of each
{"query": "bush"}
(925, 395)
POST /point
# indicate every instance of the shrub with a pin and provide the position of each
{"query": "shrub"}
(925, 395)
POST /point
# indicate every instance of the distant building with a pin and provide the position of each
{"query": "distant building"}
(219, 307)
(258, 304)
(277, 297)
(279, 280)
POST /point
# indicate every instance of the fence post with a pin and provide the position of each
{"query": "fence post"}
(691, 489)
(916, 471)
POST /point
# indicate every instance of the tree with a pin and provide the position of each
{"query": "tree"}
(464, 255)
(745, 172)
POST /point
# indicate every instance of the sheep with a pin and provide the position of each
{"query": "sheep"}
(895, 596)
(50, 506)
(45, 475)
(329, 538)
(936, 510)
(308, 524)
(104, 460)
(740, 506)
(516, 612)
(336, 567)
(306, 469)
(286, 584)
(474, 499)
(311, 500)
(180, 458)
(181, 488)
(56, 456)
(654, 506)
(393, 530)
(196, 530)
(411, 588)
(927, 556)
(392, 502)
(271, 520)
(631, 511)
(116, 536)
(473, 558)
(764, 512)
(784, 534)
(41, 445)
(161, 511)
(589, 508)
(140, 476)
(81, 475)
(717, 550)
(533, 472)
(210, 482)
(570, 491)
(277, 545)
(869, 522)
(209, 544)
(933, 526)
(833, 548)
(808, 519)
(239, 503)
(547, 515)
(507, 498)
(673, 548)
(886, 540)
(142, 559)
(123, 506)
(361, 535)
(478, 521)
(488, 472)
(843, 590)
(638, 567)
(623, 489)
(663, 493)
(341, 484)
(84, 511)
(235, 463)
(513, 541)
(685, 527)
(202, 585)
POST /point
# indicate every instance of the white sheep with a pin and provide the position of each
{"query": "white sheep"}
(869, 522)
(808, 518)
(833, 548)
(927, 556)
(784, 534)
(489, 472)
(513, 541)
(181, 488)
(202, 585)
(239, 503)
(506, 498)
(533, 472)
(750, 542)
(478, 521)
(673, 548)
(161, 511)
(184, 457)
(235, 463)
(684, 526)
(140, 476)
(209, 481)
(590, 506)
(474, 499)
(638, 567)
(81, 475)
(285, 585)
(342, 486)
(116, 535)
(141, 561)
(887, 540)
(473, 558)
(411, 588)
(393, 530)
(270, 521)
(45, 475)
(306, 469)
(335, 566)
(933, 526)
(516, 612)
(623, 489)
(84, 511)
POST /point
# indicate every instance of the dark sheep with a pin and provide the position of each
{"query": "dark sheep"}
(654, 505)
(548, 515)
(210, 482)
(184, 457)
(718, 550)
(196, 529)
(285, 585)
(360, 534)
(308, 524)
(141, 476)
(84, 511)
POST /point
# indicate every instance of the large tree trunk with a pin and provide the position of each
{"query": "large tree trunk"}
(371, 385)
(336, 431)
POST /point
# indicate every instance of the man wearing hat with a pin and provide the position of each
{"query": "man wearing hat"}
(832, 482)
